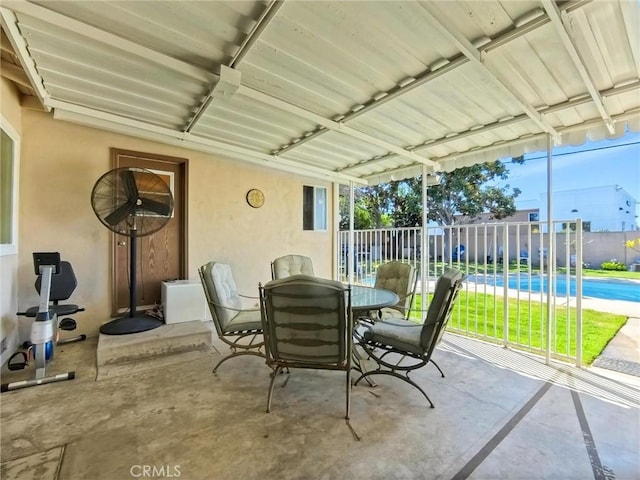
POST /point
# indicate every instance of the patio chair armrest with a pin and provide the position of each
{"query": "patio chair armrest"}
(255, 309)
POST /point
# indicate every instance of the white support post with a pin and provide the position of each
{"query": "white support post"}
(505, 282)
(351, 252)
(579, 238)
(550, 249)
(336, 231)
(424, 244)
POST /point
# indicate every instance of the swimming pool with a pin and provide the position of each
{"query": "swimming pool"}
(609, 289)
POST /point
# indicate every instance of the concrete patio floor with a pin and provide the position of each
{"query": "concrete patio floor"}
(499, 414)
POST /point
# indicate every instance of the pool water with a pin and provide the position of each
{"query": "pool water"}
(608, 289)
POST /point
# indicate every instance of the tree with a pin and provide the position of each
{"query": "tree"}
(467, 192)
(371, 207)
(461, 197)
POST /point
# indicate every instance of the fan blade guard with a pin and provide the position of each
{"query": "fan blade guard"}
(129, 198)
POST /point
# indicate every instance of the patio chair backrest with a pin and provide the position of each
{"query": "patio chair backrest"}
(288, 265)
(307, 322)
(400, 278)
(440, 308)
(221, 291)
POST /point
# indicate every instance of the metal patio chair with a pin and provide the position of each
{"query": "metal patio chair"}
(399, 346)
(307, 323)
(237, 326)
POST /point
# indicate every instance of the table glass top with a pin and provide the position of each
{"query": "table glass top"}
(371, 298)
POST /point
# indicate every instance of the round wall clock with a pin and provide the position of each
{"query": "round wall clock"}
(255, 198)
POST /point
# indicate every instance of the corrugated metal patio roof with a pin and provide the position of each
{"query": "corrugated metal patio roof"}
(363, 91)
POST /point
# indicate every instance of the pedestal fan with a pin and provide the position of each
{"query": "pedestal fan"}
(134, 202)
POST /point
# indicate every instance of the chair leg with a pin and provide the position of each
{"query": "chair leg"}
(274, 374)
(439, 369)
(358, 364)
(348, 394)
(401, 377)
(235, 354)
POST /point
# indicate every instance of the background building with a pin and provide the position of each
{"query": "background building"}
(602, 209)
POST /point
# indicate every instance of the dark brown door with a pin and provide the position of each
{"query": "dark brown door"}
(160, 256)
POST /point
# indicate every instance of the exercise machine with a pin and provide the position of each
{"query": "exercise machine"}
(63, 284)
(44, 329)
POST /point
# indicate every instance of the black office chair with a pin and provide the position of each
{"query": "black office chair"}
(63, 284)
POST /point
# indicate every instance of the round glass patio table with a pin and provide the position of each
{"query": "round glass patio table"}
(369, 298)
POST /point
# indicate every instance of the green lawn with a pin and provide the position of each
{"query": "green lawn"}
(526, 323)
(598, 328)
(611, 274)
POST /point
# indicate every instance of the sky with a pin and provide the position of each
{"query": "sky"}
(594, 164)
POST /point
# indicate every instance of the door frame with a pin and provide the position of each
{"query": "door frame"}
(183, 165)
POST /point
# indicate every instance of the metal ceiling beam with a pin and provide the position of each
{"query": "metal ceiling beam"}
(631, 114)
(402, 173)
(61, 21)
(571, 5)
(530, 22)
(226, 86)
(263, 22)
(477, 58)
(126, 126)
(561, 25)
(196, 72)
(331, 125)
(10, 27)
(524, 24)
(338, 126)
(623, 117)
(542, 111)
(631, 86)
(384, 97)
(534, 19)
(456, 156)
(260, 26)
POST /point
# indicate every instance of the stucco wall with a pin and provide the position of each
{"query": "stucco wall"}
(61, 162)
(601, 247)
(12, 113)
(597, 247)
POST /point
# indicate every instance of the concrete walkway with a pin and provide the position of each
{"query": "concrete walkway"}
(622, 354)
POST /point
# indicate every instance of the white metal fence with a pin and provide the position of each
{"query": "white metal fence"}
(509, 278)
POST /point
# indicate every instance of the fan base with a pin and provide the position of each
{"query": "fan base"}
(126, 325)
